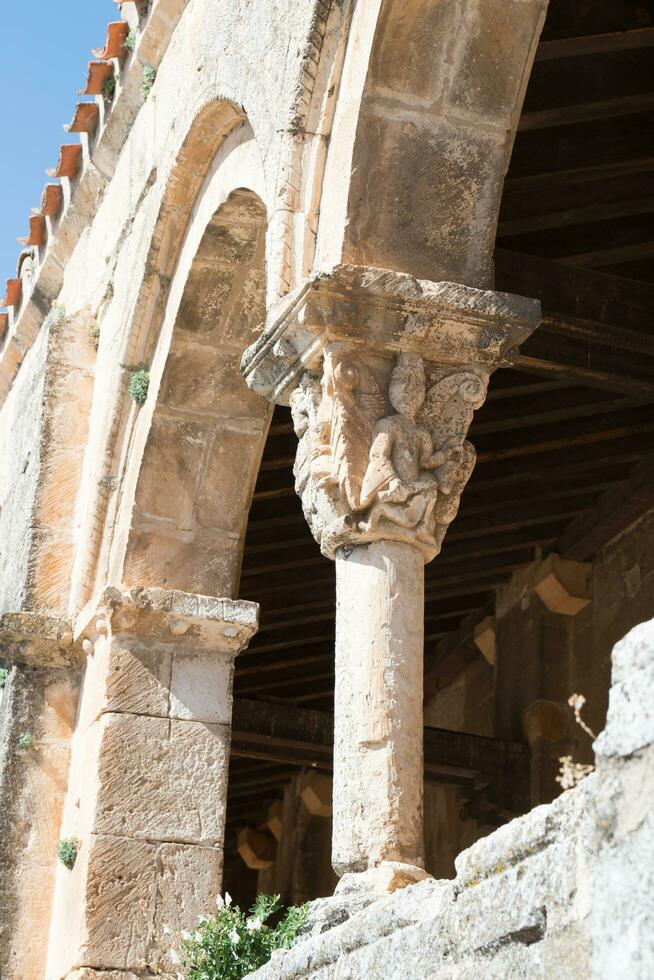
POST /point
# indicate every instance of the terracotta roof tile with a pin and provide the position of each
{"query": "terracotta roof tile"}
(70, 156)
(37, 231)
(85, 120)
(99, 72)
(114, 46)
(51, 200)
(12, 296)
(4, 323)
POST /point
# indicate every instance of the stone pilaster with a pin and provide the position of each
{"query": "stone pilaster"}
(147, 794)
(38, 703)
(383, 374)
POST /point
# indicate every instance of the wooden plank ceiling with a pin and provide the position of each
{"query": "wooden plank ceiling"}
(561, 433)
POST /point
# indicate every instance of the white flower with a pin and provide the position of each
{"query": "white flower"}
(186, 934)
(234, 936)
(167, 931)
(219, 901)
(228, 899)
(174, 957)
(203, 918)
(252, 925)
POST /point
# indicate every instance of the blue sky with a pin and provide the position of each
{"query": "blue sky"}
(46, 46)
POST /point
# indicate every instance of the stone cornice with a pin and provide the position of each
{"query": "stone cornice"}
(29, 639)
(386, 312)
(167, 617)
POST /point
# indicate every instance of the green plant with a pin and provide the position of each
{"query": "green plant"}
(108, 89)
(4, 674)
(94, 331)
(67, 851)
(130, 41)
(149, 75)
(26, 740)
(138, 386)
(233, 943)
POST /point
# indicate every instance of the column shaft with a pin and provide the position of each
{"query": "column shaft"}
(378, 750)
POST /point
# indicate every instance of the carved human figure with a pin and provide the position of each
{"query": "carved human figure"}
(368, 473)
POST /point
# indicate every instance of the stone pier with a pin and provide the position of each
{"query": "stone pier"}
(147, 792)
(383, 374)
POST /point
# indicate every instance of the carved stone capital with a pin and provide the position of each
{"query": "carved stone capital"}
(390, 313)
(383, 374)
(169, 618)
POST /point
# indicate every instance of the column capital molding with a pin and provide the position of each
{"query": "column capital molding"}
(385, 312)
(33, 640)
(383, 374)
(169, 618)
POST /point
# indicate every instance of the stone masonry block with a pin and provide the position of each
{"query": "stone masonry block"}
(118, 902)
(201, 687)
(188, 882)
(162, 779)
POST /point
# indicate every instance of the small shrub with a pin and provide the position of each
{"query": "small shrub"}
(4, 674)
(138, 386)
(130, 41)
(67, 851)
(26, 740)
(149, 75)
(233, 944)
(108, 89)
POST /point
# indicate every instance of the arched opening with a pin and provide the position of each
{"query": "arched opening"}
(205, 439)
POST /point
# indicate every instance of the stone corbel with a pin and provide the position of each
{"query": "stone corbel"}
(383, 373)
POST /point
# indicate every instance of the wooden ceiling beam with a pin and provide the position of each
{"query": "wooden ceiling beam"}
(567, 115)
(589, 44)
(291, 734)
(617, 509)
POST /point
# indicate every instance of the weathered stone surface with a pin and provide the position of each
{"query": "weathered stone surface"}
(564, 891)
(188, 880)
(378, 777)
(162, 779)
(118, 898)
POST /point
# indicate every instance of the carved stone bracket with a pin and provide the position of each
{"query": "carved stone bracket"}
(383, 374)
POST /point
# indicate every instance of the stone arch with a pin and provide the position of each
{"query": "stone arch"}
(190, 455)
(430, 97)
(207, 430)
(217, 156)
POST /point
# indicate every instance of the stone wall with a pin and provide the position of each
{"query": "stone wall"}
(20, 431)
(564, 892)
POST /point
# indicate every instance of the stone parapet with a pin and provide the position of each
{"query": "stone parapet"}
(565, 891)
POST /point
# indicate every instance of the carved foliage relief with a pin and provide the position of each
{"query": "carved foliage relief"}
(382, 451)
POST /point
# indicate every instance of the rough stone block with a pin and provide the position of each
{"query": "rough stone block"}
(118, 900)
(231, 468)
(205, 562)
(162, 779)
(170, 470)
(201, 687)
(133, 680)
(188, 881)
(491, 58)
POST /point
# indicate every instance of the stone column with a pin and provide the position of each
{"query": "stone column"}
(383, 374)
(146, 798)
